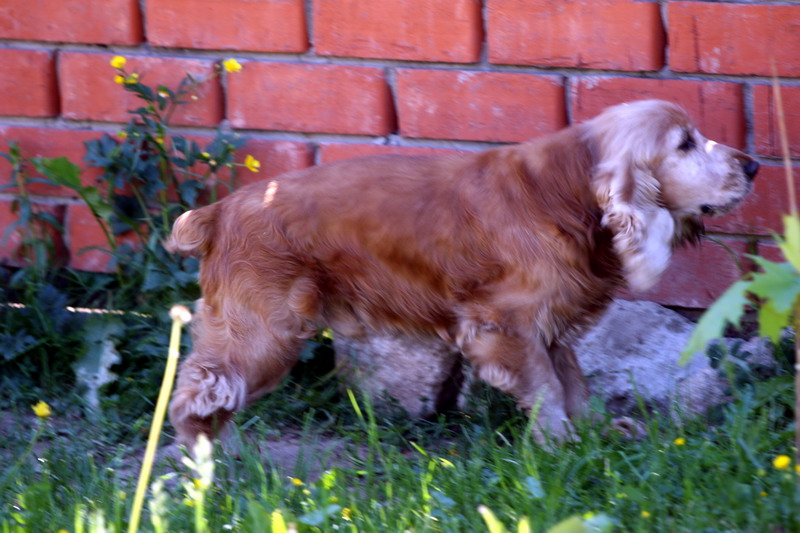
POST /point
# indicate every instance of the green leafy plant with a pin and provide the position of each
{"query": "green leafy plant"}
(150, 174)
(775, 290)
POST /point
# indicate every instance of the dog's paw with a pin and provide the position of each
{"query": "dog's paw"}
(628, 427)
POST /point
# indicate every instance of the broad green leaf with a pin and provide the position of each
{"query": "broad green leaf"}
(727, 309)
(534, 487)
(790, 245)
(96, 202)
(60, 170)
(494, 525)
(599, 523)
(779, 282)
(771, 321)
(572, 524)
(92, 370)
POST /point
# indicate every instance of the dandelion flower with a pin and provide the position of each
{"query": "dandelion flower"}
(782, 462)
(680, 441)
(646, 514)
(205, 155)
(122, 134)
(347, 513)
(797, 468)
(297, 482)
(763, 494)
(252, 163)
(133, 78)
(118, 62)
(119, 79)
(231, 65)
(41, 409)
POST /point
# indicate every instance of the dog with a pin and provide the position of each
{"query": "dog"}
(505, 253)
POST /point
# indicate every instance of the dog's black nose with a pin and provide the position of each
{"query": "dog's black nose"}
(751, 168)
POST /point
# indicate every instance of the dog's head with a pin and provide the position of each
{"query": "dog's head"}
(655, 175)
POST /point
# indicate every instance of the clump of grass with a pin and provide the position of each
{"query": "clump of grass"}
(431, 476)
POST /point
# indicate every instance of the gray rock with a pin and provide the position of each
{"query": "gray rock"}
(633, 350)
(424, 375)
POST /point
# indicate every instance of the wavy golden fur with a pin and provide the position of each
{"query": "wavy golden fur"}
(505, 253)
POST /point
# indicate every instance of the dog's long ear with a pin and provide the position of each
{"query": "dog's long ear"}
(192, 231)
(643, 230)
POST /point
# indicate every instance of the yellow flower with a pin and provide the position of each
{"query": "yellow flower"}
(160, 140)
(41, 409)
(762, 494)
(761, 472)
(198, 484)
(333, 499)
(782, 462)
(347, 513)
(118, 62)
(122, 495)
(188, 503)
(119, 79)
(680, 441)
(588, 515)
(231, 65)
(797, 468)
(62, 531)
(307, 492)
(297, 482)
(122, 134)
(133, 78)
(252, 163)
(206, 155)
(163, 94)
(645, 514)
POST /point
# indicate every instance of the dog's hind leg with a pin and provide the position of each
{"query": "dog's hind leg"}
(240, 353)
(522, 368)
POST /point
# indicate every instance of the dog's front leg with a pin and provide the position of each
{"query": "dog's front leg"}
(520, 366)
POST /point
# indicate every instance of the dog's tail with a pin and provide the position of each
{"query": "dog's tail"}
(192, 231)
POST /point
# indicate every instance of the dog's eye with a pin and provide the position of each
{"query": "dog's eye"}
(687, 143)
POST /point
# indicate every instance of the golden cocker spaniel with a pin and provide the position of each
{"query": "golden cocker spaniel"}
(505, 253)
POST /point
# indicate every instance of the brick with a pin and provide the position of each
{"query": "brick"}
(276, 158)
(771, 252)
(765, 120)
(478, 106)
(28, 83)
(603, 34)
(264, 26)
(442, 30)
(87, 243)
(717, 107)
(696, 277)
(88, 90)
(727, 38)
(329, 153)
(310, 98)
(72, 21)
(13, 250)
(761, 212)
(48, 142)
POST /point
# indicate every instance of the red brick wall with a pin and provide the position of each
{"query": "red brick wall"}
(329, 79)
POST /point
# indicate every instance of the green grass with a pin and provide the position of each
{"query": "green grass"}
(390, 473)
